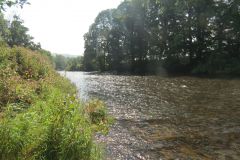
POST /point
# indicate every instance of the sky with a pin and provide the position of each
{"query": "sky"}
(59, 25)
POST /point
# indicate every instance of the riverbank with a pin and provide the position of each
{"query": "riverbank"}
(41, 117)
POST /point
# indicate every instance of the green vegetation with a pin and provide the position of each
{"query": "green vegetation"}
(14, 33)
(41, 118)
(40, 114)
(68, 63)
(9, 3)
(154, 36)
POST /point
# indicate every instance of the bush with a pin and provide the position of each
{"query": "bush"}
(219, 64)
(30, 65)
(52, 129)
(21, 72)
(41, 117)
(96, 110)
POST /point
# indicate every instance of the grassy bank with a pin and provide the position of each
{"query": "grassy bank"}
(40, 117)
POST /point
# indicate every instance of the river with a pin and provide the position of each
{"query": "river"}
(160, 118)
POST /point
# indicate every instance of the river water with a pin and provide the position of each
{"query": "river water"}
(160, 118)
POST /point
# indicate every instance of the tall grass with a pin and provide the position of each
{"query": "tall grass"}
(41, 117)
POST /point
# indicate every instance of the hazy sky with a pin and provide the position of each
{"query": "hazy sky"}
(59, 25)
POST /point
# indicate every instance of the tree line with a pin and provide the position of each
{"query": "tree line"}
(177, 36)
(68, 63)
(14, 33)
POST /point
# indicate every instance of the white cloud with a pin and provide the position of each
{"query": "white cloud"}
(59, 25)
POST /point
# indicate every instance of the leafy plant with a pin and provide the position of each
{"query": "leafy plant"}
(41, 118)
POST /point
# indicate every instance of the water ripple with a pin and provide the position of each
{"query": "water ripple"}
(167, 118)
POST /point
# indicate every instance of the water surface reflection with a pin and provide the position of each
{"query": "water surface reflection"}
(167, 118)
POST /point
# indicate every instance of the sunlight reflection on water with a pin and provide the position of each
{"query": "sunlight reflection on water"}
(166, 118)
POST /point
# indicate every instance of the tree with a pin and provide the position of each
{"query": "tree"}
(75, 64)
(90, 54)
(189, 36)
(9, 3)
(18, 33)
(4, 30)
(14, 33)
(60, 62)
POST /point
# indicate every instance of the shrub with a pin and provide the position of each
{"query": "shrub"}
(21, 74)
(52, 129)
(31, 65)
(41, 117)
(96, 111)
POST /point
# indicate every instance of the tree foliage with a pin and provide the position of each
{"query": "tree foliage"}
(190, 36)
(9, 3)
(68, 63)
(14, 33)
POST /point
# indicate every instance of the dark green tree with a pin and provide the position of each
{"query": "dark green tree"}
(180, 36)
(18, 34)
